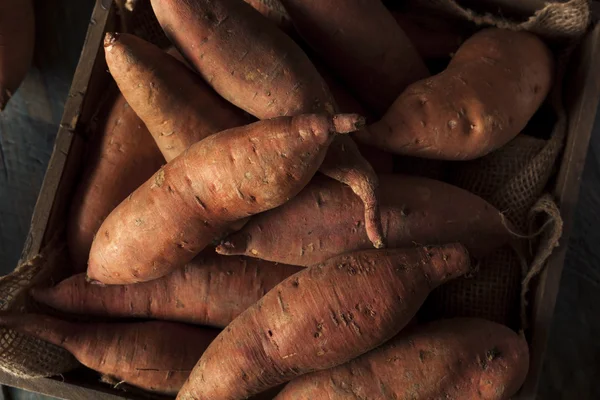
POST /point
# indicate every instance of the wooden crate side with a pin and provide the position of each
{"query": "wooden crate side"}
(583, 86)
(51, 185)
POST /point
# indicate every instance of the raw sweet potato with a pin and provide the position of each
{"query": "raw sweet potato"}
(177, 106)
(321, 317)
(155, 355)
(492, 87)
(326, 219)
(257, 67)
(17, 37)
(210, 290)
(449, 359)
(121, 156)
(189, 202)
(362, 43)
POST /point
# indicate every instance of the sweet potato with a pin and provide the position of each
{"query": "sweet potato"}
(177, 106)
(189, 202)
(17, 37)
(155, 355)
(254, 65)
(492, 87)
(210, 290)
(326, 219)
(362, 43)
(121, 156)
(449, 359)
(321, 317)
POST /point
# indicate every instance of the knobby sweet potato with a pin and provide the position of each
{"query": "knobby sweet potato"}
(121, 156)
(492, 87)
(17, 37)
(155, 355)
(177, 106)
(449, 359)
(257, 67)
(362, 43)
(321, 317)
(326, 219)
(189, 202)
(210, 290)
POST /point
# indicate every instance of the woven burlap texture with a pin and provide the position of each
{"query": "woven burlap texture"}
(513, 179)
(516, 177)
(22, 355)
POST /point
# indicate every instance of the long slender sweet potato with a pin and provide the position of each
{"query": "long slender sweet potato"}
(257, 67)
(211, 290)
(155, 355)
(321, 317)
(177, 106)
(121, 156)
(326, 219)
(363, 44)
(449, 359)
(17, 37)
(191, 201)
(492, 87)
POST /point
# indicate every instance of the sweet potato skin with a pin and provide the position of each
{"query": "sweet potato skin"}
(327, 221)
(17, 37)
(255, 66)
(121, 156)
(362, 43)
(155, 356)
(176, 105)
(211, 290)
(457, 358)
(192, 200)
(317, 319)
(492, 87)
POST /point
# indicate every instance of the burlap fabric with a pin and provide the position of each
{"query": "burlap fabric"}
(513, 179)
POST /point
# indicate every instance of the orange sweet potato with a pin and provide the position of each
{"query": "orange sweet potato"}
(363, 44)
(326, 219)
(449, 359)
(178, 108)
(121, 156)
(492, 87)
(210, 290)
(17, 36)
(191, 201)
(321, 317)
(257, 67)
(155, 356)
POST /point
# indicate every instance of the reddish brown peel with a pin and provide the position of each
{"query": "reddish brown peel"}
(155, 356)
(177, 106)
(211, 290)
(327, 219)
(197, 196)
(321, 317)
(257, 67)
(449, 359)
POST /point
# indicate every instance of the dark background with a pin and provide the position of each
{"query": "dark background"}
(30, 122)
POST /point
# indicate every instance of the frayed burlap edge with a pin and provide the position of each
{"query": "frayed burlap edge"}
(22, 355)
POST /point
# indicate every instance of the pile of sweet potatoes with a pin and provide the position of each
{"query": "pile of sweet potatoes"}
(231, 188)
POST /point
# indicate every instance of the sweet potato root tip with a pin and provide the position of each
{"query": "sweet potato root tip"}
(109, 39)
(347, 123)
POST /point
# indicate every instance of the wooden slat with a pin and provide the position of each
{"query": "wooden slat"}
(64, 138)
(585, 80)
(59, 389)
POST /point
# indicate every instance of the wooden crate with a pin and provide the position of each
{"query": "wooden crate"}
(90, 81)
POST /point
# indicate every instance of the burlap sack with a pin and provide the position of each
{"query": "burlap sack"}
(512, 179)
